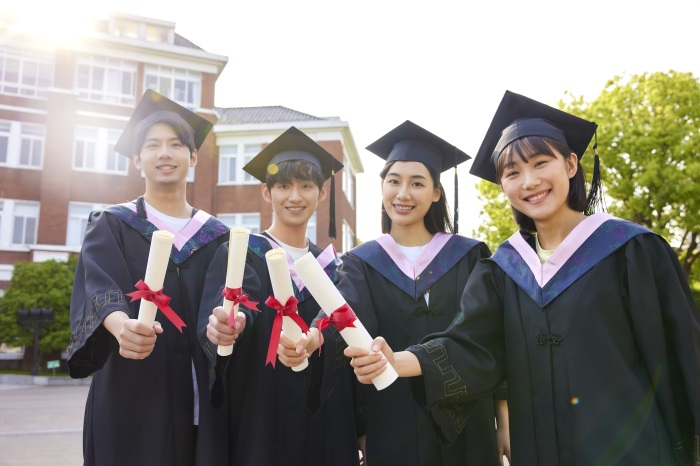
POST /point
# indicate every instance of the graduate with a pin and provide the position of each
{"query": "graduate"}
(405, 285)
(148, 393)
(270, 423)
(589, 317)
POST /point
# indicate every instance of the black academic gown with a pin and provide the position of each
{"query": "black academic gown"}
(390, 304)
(602, 360)
(140, 412)
(270, 423)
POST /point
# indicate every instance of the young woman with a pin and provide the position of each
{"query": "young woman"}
(588, 317)
(406, 285)
(144, 406)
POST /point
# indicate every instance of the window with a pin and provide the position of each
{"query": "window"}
(106, 80)
(93, 150)
(249, 221)
(182, 86)
(348, 237)
(25, 73)
(348, 181)
(78, 214)
(25, 221)
(232, 159)
(21, 144)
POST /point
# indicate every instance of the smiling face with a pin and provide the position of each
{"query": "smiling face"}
(164, 159)
(294, 201)
(538, 185)
(408, 192)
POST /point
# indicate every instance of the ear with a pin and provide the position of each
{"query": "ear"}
(193, 158)
(437, 193)
(572, 165)
(266, 194)
(137, 161)
(322, 193)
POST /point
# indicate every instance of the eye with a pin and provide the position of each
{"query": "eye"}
(306, 186)
(282, 186)
(540, 162)
(418, 184)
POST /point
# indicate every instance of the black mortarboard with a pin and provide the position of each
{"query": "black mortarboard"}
(293, 144)
(518, 116)
(408, 142)
(153, 108)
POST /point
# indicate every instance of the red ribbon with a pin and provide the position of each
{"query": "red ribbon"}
(341, 318)
(160, 300)
(290, 310)
(236, 296)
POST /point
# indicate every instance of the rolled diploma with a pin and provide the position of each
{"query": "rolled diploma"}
(237, 249)
(330, 299)
(158, 258)
(282, 288)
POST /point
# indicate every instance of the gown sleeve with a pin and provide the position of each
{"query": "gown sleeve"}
(666, 324)
(100, 276)
(466, 362)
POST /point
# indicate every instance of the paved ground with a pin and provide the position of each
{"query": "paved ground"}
(41, 425)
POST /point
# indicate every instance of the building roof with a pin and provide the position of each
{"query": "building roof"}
(271, 114)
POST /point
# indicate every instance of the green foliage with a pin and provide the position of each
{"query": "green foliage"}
(38, 285)
(497, 223)
(649, 144)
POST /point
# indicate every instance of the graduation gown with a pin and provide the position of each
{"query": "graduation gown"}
(600, 346)
(387, 294)
(141, 412)
(269, 422)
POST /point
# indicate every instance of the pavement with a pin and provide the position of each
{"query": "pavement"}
(41, 420)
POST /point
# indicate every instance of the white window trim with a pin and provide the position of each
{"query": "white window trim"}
(92, 206)
(126, 100)
(348, 182)
(7, 224)
(173, 74)
(101, 155)
(240, 158)
(237, 220)
(25, 56)
(14, 145)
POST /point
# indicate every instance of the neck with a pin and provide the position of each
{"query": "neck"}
(552, 232)
(412, 235)
(294, 236)
(172, 202)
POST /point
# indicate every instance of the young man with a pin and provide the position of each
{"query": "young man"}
(270, 423)
(144, 405)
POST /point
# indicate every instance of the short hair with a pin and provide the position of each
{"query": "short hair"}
(532, 145)
(437, 219)
(182, 129)
(295, 170)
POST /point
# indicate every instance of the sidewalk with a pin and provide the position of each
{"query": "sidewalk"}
(13, 379)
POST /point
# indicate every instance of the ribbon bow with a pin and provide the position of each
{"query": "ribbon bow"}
(160, 300)
(236, 296)
(289, 309)
(341, 318)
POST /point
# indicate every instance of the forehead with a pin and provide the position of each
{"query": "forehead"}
(160, 130)
(406, 168)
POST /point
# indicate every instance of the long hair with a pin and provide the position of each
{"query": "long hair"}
(437, 219)
(531, 145)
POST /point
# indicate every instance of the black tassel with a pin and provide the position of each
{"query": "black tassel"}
(456, 216)
(595, 202)
(331, 222)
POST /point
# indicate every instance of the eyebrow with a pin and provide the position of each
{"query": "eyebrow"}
(412, 176)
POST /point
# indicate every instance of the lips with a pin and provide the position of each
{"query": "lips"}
(294, 209)
(402, 208)
(537, 196)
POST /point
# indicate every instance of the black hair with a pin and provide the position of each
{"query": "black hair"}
(295, 170)
(531, 145)
(182, 129)
(437, 219)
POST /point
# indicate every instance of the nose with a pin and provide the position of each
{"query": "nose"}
(404, 191)
(531, 180)
(164, 151)
(295, 194)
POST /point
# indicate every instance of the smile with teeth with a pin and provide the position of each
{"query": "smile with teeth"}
(402, 208)
(166, 167)
(295, 209)
(537, 197)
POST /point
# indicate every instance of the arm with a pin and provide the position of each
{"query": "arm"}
(502, 430)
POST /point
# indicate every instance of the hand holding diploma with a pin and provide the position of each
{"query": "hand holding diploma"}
(233, 293)
(339, 313)
(219, 330)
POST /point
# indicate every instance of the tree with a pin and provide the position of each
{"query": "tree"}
(38, 285)
(649, 144)
(497, 223)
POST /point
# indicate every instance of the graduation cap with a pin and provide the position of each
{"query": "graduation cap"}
(293, 144)
(409, 142)
(517, 117)
(154, 108)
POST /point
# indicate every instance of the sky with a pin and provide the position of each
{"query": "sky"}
(442, 64)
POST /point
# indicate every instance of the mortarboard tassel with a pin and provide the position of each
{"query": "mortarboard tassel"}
(456, 216)
(595, 201)
(331, 222)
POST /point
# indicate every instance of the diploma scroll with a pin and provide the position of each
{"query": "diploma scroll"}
(330, 300)
(237, 250)
(282, 289)
(158, 258)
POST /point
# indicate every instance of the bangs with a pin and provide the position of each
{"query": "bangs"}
(295, 170)
(525, 148)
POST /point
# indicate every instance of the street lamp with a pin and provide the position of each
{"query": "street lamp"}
(35, 318)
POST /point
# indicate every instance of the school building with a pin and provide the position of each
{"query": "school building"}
(62, 109)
